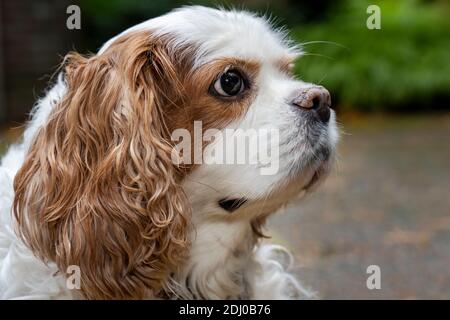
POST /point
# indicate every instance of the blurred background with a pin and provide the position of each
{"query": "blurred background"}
(387, 203)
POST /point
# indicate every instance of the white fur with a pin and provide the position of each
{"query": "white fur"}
(226, 260)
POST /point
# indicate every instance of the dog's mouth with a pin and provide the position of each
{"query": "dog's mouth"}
(319, 174)
(231, 205)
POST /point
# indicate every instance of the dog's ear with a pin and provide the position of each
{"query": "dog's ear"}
(98, 188)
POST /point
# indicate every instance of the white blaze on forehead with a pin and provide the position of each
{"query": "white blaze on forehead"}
(219, 33)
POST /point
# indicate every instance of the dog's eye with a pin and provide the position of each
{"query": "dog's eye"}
(229, 84)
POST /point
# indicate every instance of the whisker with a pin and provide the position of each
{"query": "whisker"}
(323, 78)
(203, 184)
(317, 55)
(337, 44)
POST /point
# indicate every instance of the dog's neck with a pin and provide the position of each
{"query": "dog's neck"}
(219, 259)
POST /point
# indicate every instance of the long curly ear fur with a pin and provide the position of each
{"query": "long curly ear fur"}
(98, 188)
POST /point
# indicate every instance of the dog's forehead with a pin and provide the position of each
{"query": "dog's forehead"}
(219, 33)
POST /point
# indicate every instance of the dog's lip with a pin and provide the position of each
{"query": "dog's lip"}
(321, 171)
(313, 180)
(232, 204)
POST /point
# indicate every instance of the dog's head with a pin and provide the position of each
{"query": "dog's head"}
(105, 184)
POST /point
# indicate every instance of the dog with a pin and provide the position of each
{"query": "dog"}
(94, 186)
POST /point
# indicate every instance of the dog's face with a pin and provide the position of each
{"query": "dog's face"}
(102, 187)
(241, 78)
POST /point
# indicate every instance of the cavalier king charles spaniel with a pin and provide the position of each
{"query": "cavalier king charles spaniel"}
(93, 184)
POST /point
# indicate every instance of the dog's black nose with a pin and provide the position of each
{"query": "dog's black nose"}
(317, 99)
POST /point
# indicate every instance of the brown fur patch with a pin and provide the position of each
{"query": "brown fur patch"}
(98, 188)
(200, 105)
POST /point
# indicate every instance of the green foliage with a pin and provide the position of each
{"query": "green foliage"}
(405, 64)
